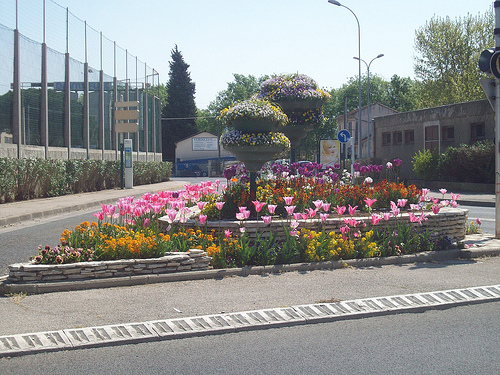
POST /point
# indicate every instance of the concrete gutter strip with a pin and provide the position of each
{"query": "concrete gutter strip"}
(59, 286)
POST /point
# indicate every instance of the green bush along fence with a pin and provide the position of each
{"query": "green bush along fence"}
(30, 178)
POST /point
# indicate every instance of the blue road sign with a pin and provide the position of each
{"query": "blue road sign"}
(344, 136)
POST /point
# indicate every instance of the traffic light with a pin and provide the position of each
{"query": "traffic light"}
(489, 62)
(495, 64)
(485, 61)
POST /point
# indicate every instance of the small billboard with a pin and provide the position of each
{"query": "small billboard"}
(329, 154)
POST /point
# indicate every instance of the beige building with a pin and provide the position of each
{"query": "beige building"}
(199, 155)
(402, 135)
(350, 124)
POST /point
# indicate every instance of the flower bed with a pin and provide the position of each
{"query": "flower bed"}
(294, 219)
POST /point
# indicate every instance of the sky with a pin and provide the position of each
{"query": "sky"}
(218, 38)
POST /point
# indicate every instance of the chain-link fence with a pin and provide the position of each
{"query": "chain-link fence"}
(59, 79)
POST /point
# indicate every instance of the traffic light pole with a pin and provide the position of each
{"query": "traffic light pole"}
(497, 122)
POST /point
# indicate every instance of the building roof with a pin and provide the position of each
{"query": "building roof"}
(194, 135)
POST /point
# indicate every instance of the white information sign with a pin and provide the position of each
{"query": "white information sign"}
(205, 144)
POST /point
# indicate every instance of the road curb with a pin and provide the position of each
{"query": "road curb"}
(7, 288)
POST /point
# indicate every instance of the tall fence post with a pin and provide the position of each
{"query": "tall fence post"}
(16, 99)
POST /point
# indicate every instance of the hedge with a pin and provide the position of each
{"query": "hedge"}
(30, 178)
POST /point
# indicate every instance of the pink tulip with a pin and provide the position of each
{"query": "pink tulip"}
(305, 216)
(402, 202)
(369, 202)
(288, 200)
(227, 233)
(386, 215)
(478, 222)
(425, 191)
(242, 209)
(258, 205)
(243, 230)
(454, 197)
(246, 213)
(219, 205)
(289, 209)
(423, 217)
(266, 219)
(345, 229)
(340, 209)
(326, 207)
(240, 216)
(297, 216)
(413, 218)
(312, 212)
(323, 217)
(100, 215)
(318, 204)
(352, 210)
(395, 211)
(201, 204)
(294, 224)
(443, 191)
(294, 233)
(375, 219)
(202, 218)
(147, 222)
(271, 208)
(414, 207)
(436, 208)
(171, 213)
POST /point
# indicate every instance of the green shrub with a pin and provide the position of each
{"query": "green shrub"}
(475, 163)
(37, 178)
(425, 165)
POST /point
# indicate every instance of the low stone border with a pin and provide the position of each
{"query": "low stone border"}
(193, 259)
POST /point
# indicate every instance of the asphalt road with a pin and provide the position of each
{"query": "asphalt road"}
(460, 340)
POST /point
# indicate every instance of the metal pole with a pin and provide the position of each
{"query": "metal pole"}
(497, 125)
(360, 138)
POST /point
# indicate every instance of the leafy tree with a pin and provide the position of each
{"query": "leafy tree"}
(401, 94)
(179, 111)
(447, 55)
(242, 88)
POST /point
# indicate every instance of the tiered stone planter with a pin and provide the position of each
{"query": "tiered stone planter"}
(449, 222)
(191, 260)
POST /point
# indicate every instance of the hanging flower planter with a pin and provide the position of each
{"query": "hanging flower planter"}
(254, 125)
(293, 105)
(254, 157)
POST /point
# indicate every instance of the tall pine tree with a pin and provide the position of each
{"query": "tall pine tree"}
(179, 112)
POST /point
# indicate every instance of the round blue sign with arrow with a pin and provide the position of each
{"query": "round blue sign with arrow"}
(344, 136)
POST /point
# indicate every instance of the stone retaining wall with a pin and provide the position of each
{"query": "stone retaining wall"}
(193, 259)
(449, 222)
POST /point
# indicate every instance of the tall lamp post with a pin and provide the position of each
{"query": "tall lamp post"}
(334, 2)
(368, 123)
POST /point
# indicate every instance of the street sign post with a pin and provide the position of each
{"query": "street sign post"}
(126, 121)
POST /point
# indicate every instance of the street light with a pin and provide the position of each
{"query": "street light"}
(334, 2)
(368, 106)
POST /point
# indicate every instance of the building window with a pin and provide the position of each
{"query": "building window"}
(386, 139)
(447, 133)
(477, 131)
(432, 138)
(409, 137)
(397, 138)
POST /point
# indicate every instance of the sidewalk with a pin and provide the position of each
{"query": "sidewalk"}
(15, 212)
